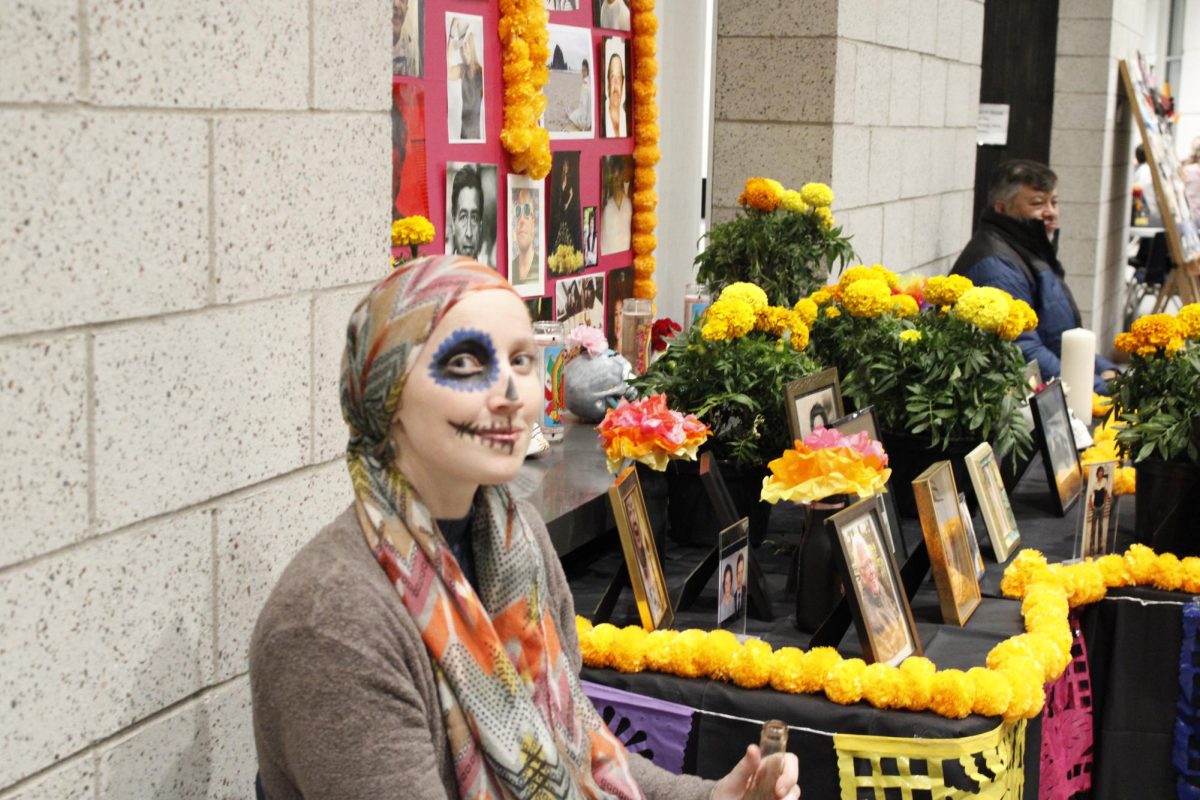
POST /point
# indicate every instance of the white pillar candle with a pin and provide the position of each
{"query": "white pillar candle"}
(1078, 367)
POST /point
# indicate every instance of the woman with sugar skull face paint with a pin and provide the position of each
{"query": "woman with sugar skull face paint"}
(423, 645)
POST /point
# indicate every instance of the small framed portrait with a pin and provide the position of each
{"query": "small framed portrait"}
(1095, 539)
(619, 285)
(465, 115)
(408, 37)
(471, 211)
(591, 239)
(1033, 378)
(878, 604)
(616, 204)
(998, 515)
(564, 238)
(813, 401)
(614, 106)
(612, 14)
(526, 236)
(570, 92)
(864, 422)
(1057, 445)
(641, 556)
(969, 530)
(954, 568)
(580, 301)
(731, 572)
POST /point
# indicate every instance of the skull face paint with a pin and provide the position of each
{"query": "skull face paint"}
(465, 360)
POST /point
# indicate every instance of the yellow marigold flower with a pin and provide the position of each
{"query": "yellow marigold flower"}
(953, 694)
(716, 656)
(806, 310)
(883, 685)
(831, 312)
(1168, 572)
(856, 273)
(818, 665)
(817, 194)
(1028, 692)
(826, 217)
(1125, 481)
(983, 307)
(414, 230)
(787, 670)
(867, 298)
(791, 200)
(1156, 331)
(1021, 319)
(760, 194)
(889, 277)
(748, 293)
(728, 319)
(1140, 561)
(751, 668)
(773, 319)
(820, 297)
(658, 649)
(918, 673)
(596, 646)
(844, 685)
(629, 649)
(910, 336)
(944, 290)
(1191, 575)
(800, 334)
(1115, 570)
(1189, 320)
(1126, 342)
(904, 306)
(775, 185)
(684, 653)
(992, 692)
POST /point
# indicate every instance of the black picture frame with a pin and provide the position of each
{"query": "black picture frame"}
(864, 520)
(1057, 444)
(798, 391)
(864, 421)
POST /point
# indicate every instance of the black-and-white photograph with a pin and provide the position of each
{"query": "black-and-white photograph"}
(615, 105)
(616, 215)
(471, 211)
(580, 301)
(464, 78)
(612, 14)
(526, 236)
(814, 401)
(571, 92)
(562, 5)
(408, 37)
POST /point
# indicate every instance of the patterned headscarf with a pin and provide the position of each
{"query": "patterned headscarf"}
(518, 723)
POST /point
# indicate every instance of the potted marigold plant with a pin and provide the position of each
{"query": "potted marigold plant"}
(936, 359)
(785, 241)
(1158, 399)
(729, 371)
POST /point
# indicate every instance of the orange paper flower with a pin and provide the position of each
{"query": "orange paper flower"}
(804, 475)
(649, 432)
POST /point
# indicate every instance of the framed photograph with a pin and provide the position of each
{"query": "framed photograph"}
(570, 93)
(813, 401)
(526, 236)
(591, 239)
(620, 288)
(564, 235)
(471, 211)
(731, 569)
(1057, 445)
(408, 37)
(998, 515)
(864, 422)
(612, 14)
(541, 309)
(969, 530)
(878, 604)
(1033, 378)
(641, 556)
(580, 301)
(464, 78)
(614, 107)
(1095, 540)
(616, 205)
(954, 570)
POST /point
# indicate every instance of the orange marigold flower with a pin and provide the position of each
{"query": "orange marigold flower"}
(760, 194)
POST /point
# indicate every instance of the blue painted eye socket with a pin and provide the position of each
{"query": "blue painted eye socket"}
(465, 360)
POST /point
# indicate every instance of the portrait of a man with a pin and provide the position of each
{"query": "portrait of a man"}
(526, 242)
(876, 592)
(616, 88)
(471, 211)
(612, 14)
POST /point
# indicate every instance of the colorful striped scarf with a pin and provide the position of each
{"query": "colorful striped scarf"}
(518, 723)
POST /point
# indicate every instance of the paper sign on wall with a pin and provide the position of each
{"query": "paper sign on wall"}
(992, 126)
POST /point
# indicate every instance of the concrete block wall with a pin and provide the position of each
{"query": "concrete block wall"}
(197, 194)
(1091, 149)
(878, 98)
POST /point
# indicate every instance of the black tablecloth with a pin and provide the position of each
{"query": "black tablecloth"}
(1133, 649)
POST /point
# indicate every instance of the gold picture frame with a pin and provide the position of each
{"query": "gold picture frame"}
(998, 515)
(641, 555)
(810, 398)
(945, 537)
(875, 591)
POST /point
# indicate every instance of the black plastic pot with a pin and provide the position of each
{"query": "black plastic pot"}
(691, 519)
(911, 454)
(1168, 499)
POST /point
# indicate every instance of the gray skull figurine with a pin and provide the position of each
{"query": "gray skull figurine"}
(590, 381)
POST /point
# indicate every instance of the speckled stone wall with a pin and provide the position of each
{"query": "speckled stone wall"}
(195, 195)
(878, 98)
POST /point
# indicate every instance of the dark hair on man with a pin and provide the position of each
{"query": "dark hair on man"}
(1008, 178)
(1140, 154)
(467, 177)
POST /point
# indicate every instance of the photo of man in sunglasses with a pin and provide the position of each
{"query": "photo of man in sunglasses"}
(524, 221)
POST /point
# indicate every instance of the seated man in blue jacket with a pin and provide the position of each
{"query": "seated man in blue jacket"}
(1012, 250)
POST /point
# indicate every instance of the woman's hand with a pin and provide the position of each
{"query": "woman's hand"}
(758, 778)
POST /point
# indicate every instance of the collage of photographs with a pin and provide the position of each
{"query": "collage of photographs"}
(559, 241)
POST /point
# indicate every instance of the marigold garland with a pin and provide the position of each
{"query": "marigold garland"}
(524, 45)
(644, 25)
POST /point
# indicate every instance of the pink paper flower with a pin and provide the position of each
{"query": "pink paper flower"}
(590, 339)
(649, 432)
(822, 438)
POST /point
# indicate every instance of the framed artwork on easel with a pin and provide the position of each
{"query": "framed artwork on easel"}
(641, 555)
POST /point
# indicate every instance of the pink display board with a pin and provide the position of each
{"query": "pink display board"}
(439, 151)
